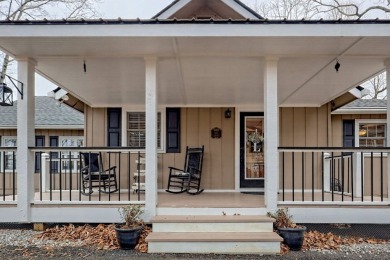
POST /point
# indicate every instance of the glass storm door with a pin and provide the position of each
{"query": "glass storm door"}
(251, 150)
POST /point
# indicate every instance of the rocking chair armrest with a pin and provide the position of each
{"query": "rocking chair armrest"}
(176, 169)
(113, 168)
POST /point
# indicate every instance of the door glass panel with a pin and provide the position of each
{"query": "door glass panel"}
(254, 152)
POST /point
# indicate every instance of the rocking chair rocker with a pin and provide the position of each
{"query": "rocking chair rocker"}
(94, 175)
(187, 179)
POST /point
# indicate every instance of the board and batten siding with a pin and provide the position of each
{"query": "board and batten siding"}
(195, 130)
(303, 127)
(337, 128)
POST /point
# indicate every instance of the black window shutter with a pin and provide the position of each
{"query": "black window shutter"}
(39, 142)
(349, 133)
(173, 130)
(114, 127)
(54, 155)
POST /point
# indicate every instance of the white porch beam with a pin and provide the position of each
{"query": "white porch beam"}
(271, 126)
(151, 137)
(387, 64)
(26, 137)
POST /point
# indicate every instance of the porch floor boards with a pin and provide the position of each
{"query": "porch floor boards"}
(203, 200)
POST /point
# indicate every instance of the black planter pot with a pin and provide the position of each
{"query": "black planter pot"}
(127, 237)
(293, 237)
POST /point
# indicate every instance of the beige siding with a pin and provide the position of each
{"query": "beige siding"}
(218, 163)
(300, 127)
(196, 125)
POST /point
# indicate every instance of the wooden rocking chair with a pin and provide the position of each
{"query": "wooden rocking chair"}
(94, 175)
(187, 179)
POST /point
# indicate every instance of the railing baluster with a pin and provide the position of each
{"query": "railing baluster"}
(119, 176)
(128, 175)
(70, 176)
(4, 162)
(382, 176)
(312, 176)
(372, 176)
(50, 176)
(79, 176)
(139, 176)
(293, 177)
(303, 176)
(13, 176)
(362, 175)
(40, 176)
(283, 177)
(342, 176)
(348, 174)
(60, 176)
(333, 175)
(323, 177)
(109, 185)
(352, 191)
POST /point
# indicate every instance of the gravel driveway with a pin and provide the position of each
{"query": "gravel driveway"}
(20, 244)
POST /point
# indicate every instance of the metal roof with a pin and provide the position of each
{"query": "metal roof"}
(48, 113)
(187, 21)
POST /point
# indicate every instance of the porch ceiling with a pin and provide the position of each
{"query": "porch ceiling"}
(202, 71)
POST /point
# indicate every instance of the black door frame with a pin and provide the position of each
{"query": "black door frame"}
(245, 183)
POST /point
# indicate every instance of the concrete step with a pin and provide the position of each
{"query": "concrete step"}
(214, 242)
(221, 223)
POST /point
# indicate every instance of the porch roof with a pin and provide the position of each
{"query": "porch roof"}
(201, 62)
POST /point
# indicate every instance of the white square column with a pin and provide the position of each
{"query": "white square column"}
(271, 133)
(25, 138)
(387, 64)
(151, 137)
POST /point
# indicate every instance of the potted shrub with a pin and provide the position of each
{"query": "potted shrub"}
(129, 231)
(292, 234)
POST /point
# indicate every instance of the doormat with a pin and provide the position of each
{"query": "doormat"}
(253, 192)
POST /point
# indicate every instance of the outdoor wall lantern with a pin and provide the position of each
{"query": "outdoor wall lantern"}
(228, 113)
(6, 93)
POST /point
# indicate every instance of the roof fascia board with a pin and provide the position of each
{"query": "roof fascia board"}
(242, 9)
(195, 30)
(350, 111)
(171, 9)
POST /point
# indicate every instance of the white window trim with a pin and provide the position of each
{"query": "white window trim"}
(124, 127)
(75, 138)
(3, 138)
(365, 121)
(64, 159)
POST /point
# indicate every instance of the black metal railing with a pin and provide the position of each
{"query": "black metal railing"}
(333, 174)
(8, 176)
(65, 175)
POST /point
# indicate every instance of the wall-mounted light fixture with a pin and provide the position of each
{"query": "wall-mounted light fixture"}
(228, 113)
(6, 93)
(337, 65)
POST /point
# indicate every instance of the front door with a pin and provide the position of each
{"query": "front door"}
(251, 150)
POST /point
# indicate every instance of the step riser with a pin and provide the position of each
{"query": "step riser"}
(215, 247)
(211, 211)
(212, 227)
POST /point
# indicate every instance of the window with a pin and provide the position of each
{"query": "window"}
(7, 158)
(372, 134)
(136, 130)
(70, 160)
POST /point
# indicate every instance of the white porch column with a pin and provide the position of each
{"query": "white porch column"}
(25, 138)
(271, 126)
(387, 64)
(151, 137)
